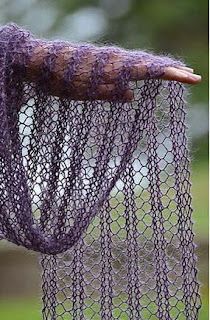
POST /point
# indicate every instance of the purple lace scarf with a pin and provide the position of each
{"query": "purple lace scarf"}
(100, 188)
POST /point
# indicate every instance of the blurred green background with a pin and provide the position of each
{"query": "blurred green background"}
(179, 28)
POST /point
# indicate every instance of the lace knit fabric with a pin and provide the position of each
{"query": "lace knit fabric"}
(100, 188)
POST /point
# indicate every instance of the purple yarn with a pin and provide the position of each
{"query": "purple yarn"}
(100, 188)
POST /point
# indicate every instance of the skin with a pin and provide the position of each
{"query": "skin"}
(112, 69)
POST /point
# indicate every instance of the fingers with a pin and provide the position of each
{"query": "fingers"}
(111, 71)
(185, 69)
(181, 75)
(139, 72)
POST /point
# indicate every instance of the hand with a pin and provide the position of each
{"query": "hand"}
(79, 87)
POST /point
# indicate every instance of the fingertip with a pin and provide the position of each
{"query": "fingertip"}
(195, 79)
(174, 74)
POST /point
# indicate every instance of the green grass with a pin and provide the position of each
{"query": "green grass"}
(20, 309)
(200, 192)
(30, 310)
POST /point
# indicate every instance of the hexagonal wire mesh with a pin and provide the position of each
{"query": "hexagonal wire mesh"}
(102, 189)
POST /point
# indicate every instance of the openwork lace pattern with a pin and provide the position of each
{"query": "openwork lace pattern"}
(99, 187)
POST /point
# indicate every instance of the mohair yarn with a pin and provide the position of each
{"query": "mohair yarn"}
(100, 188)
